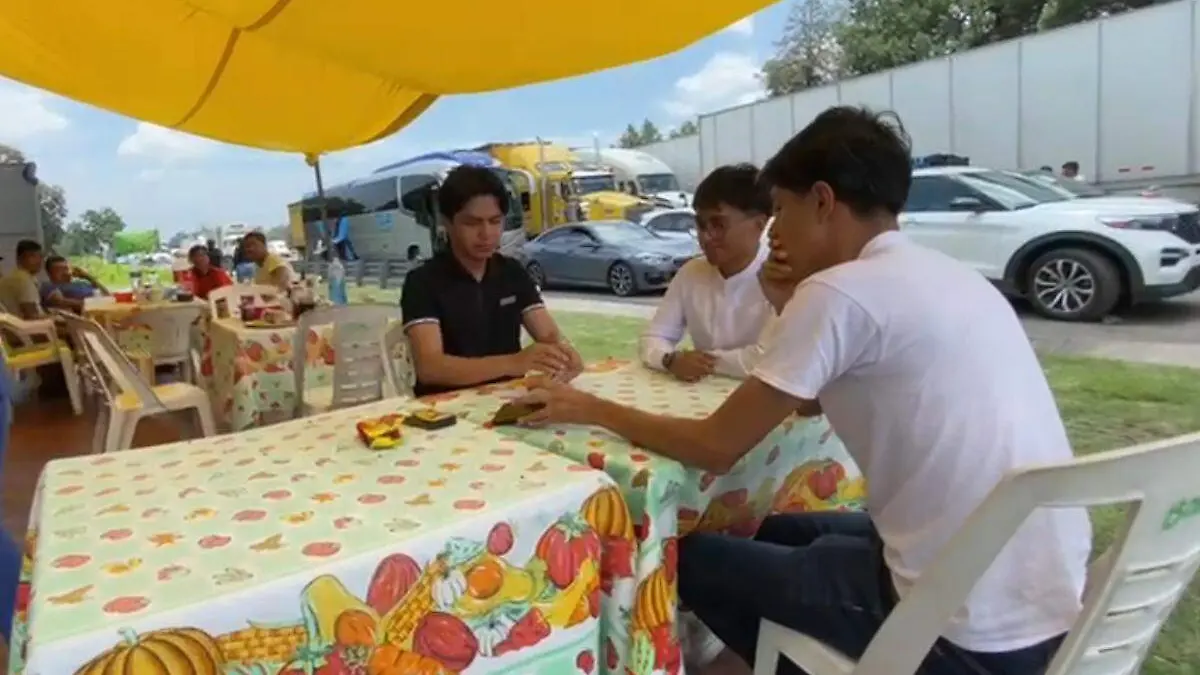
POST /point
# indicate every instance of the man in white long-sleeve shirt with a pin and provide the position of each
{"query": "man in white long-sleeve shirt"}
(717, 299)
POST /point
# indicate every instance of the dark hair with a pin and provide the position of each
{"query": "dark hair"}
(255, 235)
(1047, 169)
(1070, 166)
(864, 156)
(54, 260)
(735, 185)
(27, 246)
(464, 183)
(198, 248)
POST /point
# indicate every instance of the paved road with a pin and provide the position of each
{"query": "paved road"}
(1165, 332)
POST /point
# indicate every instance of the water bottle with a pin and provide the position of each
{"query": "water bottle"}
(337, 282)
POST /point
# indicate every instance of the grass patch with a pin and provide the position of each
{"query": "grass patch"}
(116, 276)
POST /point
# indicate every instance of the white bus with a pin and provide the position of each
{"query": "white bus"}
(391, 214)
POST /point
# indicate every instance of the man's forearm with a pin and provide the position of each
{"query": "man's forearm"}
(688, 441)
(458, 371)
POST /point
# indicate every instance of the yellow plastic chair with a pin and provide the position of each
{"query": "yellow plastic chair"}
(29, 353)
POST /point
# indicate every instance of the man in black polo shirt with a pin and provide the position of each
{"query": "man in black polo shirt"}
(464, 308)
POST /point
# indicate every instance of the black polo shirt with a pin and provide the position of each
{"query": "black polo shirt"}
(477, 318)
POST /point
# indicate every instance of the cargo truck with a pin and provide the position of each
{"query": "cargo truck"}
(20, 209)
(639, 173)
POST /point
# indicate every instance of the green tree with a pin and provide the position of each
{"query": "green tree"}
(632, 138)
(140, 241)
(92, 231)
(1066, 12)
(807, 55)
(688, 128)
(650, 133)
(53, 201)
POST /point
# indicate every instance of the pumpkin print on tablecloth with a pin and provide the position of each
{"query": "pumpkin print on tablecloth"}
(608, 515)
(654, 604)
(392, 660)
(174, 651)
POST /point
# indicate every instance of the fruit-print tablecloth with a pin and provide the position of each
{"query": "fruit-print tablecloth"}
(800, 466)
(295, 550)
(248, 371)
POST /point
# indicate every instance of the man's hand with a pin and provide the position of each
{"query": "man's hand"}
(574, 363)
(548, 359)
(561, 403)
(776, 277)
(80, 273)
(692, 366)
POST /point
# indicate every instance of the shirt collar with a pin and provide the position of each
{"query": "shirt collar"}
(750, 270)
(453, 266)
(884, 241)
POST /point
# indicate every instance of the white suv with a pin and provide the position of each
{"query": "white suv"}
(1074, 258)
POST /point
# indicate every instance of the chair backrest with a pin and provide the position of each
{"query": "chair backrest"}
(171, 329)
(1131, 589)
(117, 374)
(398, 365)
(357, 339)
(227, 300)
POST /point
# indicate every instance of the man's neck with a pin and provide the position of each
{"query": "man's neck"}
(475, 268)
(731, 269)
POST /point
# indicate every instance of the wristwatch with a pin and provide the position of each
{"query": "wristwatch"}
(668, 359)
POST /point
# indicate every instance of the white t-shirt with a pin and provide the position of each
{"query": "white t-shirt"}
(724, 317)
(928, 378)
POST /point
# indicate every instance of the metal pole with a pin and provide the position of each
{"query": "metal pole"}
(547, 200)
(315, 162)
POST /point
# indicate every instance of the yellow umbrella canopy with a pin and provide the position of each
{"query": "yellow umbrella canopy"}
(313, 76)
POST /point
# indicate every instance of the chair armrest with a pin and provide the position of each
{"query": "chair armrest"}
(812, 656)
(29, 327)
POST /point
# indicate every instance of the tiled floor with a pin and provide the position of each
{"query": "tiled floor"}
(44, 430)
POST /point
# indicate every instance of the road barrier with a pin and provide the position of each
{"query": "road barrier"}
(381, 273)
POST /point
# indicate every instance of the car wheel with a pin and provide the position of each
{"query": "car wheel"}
(621, 281)
(537, 274)
(1073, 284)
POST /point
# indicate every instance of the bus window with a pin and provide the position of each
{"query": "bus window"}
(414, 194)
(376, 196)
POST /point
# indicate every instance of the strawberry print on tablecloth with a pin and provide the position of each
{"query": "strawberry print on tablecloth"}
(285, 518)
(801, 465)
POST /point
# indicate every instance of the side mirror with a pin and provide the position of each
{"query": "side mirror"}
(973, 204)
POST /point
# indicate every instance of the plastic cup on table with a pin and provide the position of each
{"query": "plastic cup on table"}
(124, 297)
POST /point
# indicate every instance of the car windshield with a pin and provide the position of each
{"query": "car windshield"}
(658, 182)
(1069, 188)
(679, 222)
(586, 185)
(623, 233)
(1010, 190)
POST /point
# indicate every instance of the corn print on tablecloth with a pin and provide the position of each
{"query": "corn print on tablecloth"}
(293, 549)
(800, 466)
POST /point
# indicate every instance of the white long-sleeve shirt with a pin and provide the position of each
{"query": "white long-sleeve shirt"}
(728, 318)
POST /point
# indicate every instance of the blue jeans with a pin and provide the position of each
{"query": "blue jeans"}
(820, 574)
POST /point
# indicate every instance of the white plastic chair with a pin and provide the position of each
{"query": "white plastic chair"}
(171, 331)
(30, 354)
(129, 397)
(398, 366)
(231, 298)
(1131, 588)
(360, 354)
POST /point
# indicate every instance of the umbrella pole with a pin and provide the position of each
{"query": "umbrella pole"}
(326, 238)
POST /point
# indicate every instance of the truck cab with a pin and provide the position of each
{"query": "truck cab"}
(21, 205)
(640, 174)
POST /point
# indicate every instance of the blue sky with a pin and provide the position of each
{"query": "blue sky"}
(159, 178)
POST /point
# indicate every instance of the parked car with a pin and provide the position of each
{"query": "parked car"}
(619, 255)
(1074, 258)
(670, 222)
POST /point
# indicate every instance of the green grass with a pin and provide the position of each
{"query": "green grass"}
(1105, 405)
(114, 275)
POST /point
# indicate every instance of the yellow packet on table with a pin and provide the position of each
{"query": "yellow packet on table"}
(381, 433)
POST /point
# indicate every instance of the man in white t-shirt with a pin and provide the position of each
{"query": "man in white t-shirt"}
(927, 376)
(717, 299)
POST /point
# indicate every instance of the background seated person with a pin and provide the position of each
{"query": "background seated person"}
(717, 299)
(270, 269)
(68, 286)
(206, 277)
(464, 308)
(19, 288)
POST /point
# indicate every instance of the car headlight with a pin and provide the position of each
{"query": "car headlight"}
(1166, 223)
(651, 258)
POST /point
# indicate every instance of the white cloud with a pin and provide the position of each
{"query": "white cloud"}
(27, 113)
(727, 79)
(744, 27)
(164, 145)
